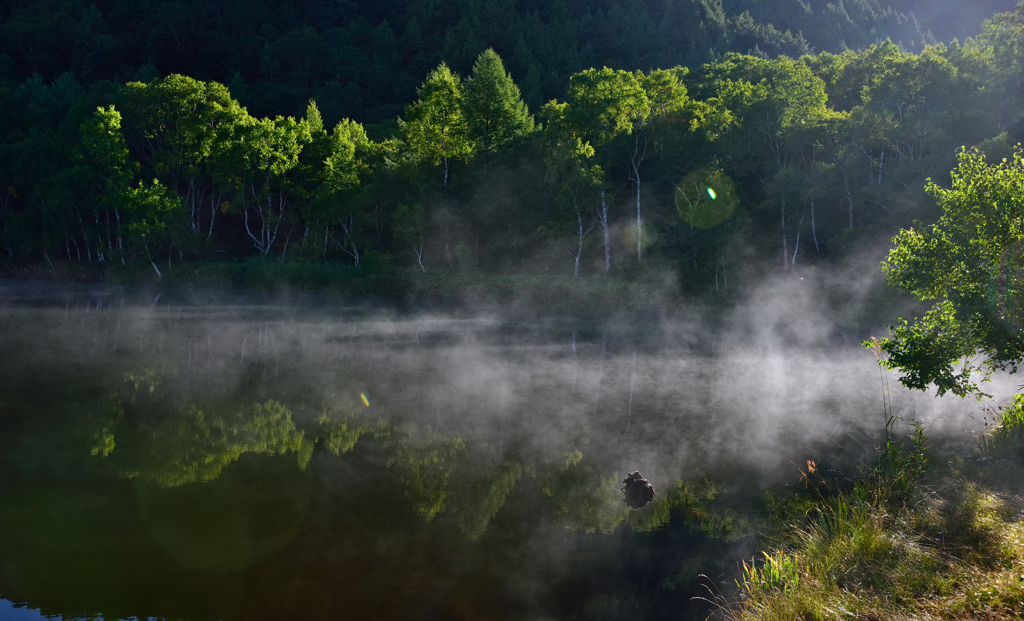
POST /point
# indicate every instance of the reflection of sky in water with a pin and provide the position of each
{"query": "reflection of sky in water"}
(11, 612)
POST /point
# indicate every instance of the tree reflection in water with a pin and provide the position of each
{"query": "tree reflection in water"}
(241, 486)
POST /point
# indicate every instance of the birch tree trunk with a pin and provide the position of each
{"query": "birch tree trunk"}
(635, 160)
(785, 242)
(814, 232)
(604, 228)
(796, 246)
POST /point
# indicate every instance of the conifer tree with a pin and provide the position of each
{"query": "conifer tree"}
(494, 109)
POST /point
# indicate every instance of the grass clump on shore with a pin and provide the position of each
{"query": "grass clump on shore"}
(911, 537)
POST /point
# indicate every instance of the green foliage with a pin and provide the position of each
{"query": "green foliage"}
(426, 468)
(341, 434)
(494, 110)
(779, 571)
(436, 128)
(961, 262)
(691, 502)
(601, 104)
(886, 549)
(187, 174)
(899, 467)
(1004, 438)
(768, 101)
(474, 520)
(198, 445)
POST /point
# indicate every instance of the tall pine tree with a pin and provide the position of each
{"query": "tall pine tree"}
(494, 109)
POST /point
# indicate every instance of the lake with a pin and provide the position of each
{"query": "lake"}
(267, 462)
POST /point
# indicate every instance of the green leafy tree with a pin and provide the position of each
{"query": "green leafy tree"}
(101, 174)
(602, 104)
(776, 111)
(436, 127)
(495, 112)
(264, 158)
(342, 206)
(178, 127)
(769, 99)
(329, 165)
(127, 217)
(971, 262)
(995, 58)
(666, 103)
(578, 181)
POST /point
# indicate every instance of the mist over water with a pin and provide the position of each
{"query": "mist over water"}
(251, 461)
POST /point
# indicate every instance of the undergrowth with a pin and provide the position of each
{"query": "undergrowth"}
(911, 537)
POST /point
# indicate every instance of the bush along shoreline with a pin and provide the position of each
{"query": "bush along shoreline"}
(916, 535)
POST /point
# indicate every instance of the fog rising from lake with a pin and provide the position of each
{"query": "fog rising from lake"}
(180, 460)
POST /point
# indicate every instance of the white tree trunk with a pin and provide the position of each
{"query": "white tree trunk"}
(796, 246)
(604, 227)
(814, 232)
(785, 242)
(636, 159)
(419, 254)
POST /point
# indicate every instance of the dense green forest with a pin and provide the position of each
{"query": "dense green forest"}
(719, 140)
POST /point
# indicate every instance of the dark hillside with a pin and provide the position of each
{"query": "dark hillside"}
(363, 60)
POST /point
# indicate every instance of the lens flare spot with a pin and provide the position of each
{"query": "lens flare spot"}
(705, 197)
(366, 401)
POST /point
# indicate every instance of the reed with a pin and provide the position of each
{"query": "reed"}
(888, 546)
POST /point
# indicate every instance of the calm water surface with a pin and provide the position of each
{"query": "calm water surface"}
(265, 463)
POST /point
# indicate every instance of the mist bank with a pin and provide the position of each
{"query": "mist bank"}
(306, 455)
(784, 362)
(817, 305)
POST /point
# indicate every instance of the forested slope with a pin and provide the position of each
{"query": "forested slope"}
(168, 133)
(363, 60)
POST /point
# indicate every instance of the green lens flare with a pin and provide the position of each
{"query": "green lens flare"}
(705, 197)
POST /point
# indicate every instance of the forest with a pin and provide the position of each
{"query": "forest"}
(411, 286)
(482, 136)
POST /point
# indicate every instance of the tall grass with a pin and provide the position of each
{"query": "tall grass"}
(888, 546)
(1005, 438)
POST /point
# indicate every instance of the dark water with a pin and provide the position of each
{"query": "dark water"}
(265, 463)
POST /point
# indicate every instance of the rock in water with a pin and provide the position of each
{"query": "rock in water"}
(638, 490)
